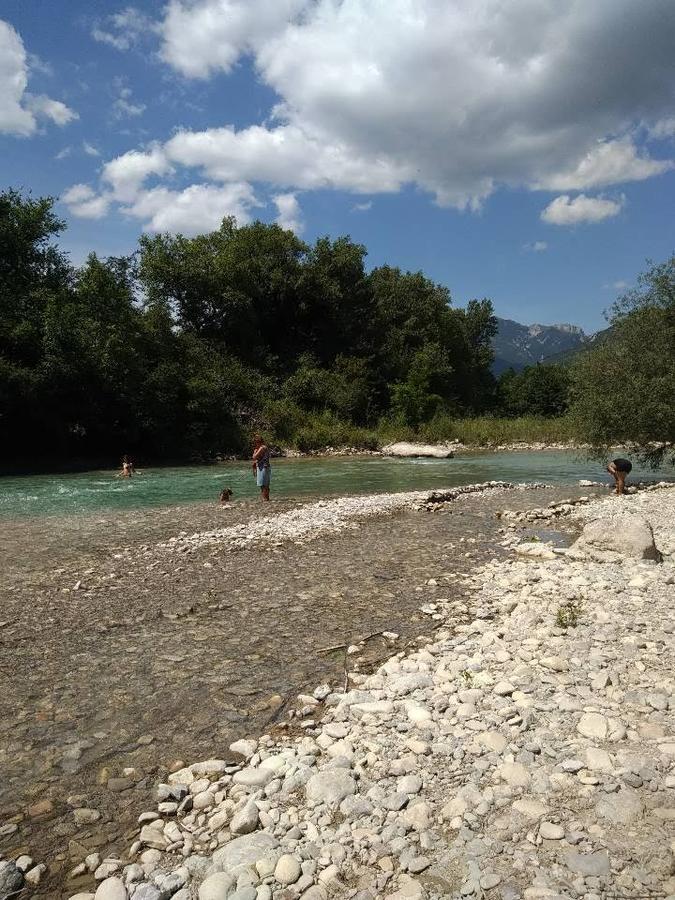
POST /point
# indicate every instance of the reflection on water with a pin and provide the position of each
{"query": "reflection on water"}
(42, 495)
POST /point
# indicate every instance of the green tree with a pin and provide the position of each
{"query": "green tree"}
(427, 385)
(480, 327)
(34, 275)
(336, 303)
(536, 391)
(236, 287)
(624, 389)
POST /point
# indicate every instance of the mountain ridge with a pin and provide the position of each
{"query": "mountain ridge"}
(516, 345)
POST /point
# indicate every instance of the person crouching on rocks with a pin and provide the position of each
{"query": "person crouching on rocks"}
(619, 470)
(225, 496)
(261, 466)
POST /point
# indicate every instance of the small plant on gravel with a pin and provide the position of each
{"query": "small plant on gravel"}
(568, 614)
(467, 676)
(532, 538)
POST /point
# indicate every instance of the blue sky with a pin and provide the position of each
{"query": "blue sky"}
(521, 151)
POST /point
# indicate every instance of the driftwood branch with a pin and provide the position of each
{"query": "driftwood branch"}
(330, 649)
(344, 646)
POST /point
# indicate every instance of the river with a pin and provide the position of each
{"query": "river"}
(101, 491)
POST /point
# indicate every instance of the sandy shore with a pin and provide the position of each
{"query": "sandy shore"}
(526, 750)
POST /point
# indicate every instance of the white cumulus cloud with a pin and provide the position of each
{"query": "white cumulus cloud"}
(611, 162)
(456, 99)
(19, 110)
(566, 210)
(194, 209)
(84, 203)
(289, 212)
(664, 128)
(126, 174)
(202, 37)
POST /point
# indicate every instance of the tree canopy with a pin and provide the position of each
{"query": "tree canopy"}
(184, 347)
(624, 390)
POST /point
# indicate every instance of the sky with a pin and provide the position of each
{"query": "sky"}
(522, 150)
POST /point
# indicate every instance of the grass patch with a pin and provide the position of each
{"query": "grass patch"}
(568, 614)
(286, 425)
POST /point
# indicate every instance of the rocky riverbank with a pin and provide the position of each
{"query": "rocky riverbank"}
(108, 639)
(529, 752)
(443, 450)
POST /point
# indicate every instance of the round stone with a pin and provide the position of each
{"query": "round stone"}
(217, 886)
(409, 784)
(111, 889)
(551, 832)
(287, 870)
(330, 786)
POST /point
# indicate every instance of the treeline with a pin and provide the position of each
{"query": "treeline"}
(184, 348)
(191, 343)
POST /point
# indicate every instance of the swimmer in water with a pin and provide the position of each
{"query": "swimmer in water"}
(225, 495)
(127, 468)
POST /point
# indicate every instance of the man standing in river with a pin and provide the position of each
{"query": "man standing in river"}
(261, 466)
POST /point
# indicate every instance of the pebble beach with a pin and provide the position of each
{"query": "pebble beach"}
(524, 748)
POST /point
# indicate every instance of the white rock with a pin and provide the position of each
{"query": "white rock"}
(217, 886)
(287, 869)
(244, 851)
(111, 889)
(493, 741)
(330, 786)
(529, 808)
(551, 832)
(244, 748)
(627, 536)
(253, 777)
(514, 774)
(409, 784)
(246, 820)
(598, 760)
(406, 449)
(418, 816)
(209, 767)
(593, 725)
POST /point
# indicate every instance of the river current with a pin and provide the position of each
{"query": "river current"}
(101, 491)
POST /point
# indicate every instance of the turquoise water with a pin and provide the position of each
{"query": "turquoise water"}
(91, 492)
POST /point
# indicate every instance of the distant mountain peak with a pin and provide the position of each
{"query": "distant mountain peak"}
(536, 329)
(517, 345)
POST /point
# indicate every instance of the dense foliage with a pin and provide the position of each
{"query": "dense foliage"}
(625, 388)
(537, 390)
(190, 344)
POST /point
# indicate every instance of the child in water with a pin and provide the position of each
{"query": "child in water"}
(225, 495)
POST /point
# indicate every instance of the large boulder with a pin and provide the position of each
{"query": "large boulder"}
(244, 851)
(611, 540)
(11, 879)
(403, 448)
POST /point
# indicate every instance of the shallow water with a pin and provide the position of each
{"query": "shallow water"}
(91, 492)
